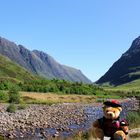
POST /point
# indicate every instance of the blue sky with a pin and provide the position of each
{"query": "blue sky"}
(89, 35)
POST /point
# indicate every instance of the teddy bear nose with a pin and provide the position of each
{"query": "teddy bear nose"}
(110, 114)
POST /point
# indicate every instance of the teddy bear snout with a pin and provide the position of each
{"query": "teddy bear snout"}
(111, 114)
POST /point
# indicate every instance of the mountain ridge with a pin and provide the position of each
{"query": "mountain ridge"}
(40, 63)
(126, 68)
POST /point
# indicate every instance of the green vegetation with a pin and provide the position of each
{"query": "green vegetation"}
(11, 108)
(11, 72)
(14, 95)
(59, 86)
(59, 90)
(131, 86)
(3, 96)
(133, 118)
(62, 87)
(55, 86)
(124, 91)
(22, 106)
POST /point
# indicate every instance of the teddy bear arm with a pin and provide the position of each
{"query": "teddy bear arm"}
(124, 126)
(97, 131)
(125, 129)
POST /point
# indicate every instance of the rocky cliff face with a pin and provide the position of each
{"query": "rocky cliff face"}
(39, 62)
(126, 69)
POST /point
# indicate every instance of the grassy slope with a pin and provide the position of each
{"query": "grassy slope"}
(131, 86)
(134, 85)
(13, 72)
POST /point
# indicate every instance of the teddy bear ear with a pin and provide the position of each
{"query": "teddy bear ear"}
(120, 109)
(103, 107)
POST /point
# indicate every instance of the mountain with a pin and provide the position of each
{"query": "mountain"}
(39, 63)
(126, 69)
(12, 72)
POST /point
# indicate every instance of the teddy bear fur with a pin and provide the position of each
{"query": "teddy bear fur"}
(110, 125)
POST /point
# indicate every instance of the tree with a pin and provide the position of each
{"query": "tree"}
(14, 95)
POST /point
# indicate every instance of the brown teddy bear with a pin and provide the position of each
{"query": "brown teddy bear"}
(110, 124)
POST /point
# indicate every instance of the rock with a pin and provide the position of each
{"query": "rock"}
(134, 132)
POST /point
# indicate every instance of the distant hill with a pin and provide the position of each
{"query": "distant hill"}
(126, 69)
(39, 63)
(13, 72)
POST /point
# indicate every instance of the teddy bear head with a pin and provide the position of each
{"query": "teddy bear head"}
(111, 110)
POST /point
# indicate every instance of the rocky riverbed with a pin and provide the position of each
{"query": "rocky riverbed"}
(43, 121)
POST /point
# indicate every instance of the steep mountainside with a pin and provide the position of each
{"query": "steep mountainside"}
(39, 63)
(12, 72)
(126, 69)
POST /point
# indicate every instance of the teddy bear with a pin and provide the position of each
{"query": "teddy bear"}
(110, 124)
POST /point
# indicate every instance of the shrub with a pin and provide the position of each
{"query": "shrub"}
(14, 95)
(22, 106)
(11, 108)
(3, 96)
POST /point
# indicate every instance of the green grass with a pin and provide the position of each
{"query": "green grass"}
(11, 70)
(133, 119)
(131, 86)
(128, 87)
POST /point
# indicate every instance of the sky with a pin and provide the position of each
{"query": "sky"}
(89, 35)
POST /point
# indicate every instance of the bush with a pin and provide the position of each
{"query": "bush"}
(11, 108)
(3, 96)
(22, 106)
(133, 118)
(14, 95)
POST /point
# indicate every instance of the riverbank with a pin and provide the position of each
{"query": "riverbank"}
(43, 121)
(38, 120)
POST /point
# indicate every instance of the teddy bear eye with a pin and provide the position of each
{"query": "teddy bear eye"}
(113, 111)
(107, 111)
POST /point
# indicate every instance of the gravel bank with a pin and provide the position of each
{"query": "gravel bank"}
(42, 121)
(36, 119)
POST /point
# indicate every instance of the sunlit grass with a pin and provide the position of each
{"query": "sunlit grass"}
(50, 98)
(131, 86)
